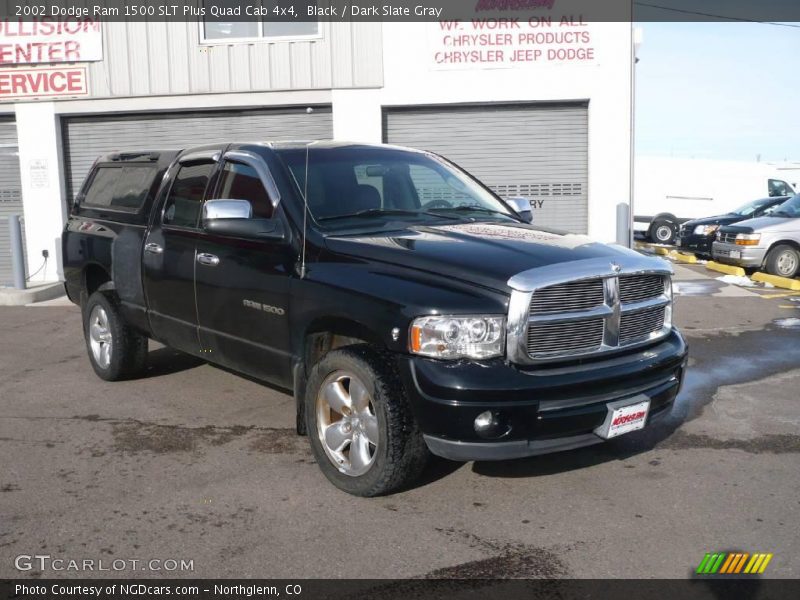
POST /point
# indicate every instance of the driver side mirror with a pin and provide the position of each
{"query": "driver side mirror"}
(522, 206)
(234, 218)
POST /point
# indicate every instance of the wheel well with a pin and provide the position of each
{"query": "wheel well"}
(321, 338)
(791, 243)
(94, 277)
(332, 335)
(664, 217)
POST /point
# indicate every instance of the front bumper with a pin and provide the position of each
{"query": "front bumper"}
(742, 256)
(542, 409)
(699, 244)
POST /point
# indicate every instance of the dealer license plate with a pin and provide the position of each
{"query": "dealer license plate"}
(735, 254)
(624, 416)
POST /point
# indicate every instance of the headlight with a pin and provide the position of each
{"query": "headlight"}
(458, 336)
(706, 229)
(748, 239)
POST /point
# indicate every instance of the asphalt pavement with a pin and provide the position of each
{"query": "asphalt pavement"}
(192, 463)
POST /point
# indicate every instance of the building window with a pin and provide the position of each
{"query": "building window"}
(215, 29)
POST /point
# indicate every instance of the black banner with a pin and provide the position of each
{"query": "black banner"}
(711, 588)
(403, 10)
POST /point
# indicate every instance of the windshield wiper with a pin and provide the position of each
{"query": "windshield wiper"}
(778, 213)
(468, 208)
(377, 212)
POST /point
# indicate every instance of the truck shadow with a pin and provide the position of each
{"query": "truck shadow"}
(560, 462)
(166, 361)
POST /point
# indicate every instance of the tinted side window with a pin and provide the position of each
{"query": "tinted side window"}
(241, 182)
(779, 188)
(120, 188)
(101, 189)
(186, 195)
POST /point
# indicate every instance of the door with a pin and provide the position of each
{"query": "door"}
(243, 285)
(536, 151)
(169, 253)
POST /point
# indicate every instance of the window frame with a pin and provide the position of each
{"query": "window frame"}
(244, 161)
(188, 161)
(255, 162)
(261, 38)
(80, 198)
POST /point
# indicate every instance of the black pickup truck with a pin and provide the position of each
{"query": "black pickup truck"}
(407, 307)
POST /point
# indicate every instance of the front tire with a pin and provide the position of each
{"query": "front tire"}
(116, 350)
(360, 425)
(783, 260)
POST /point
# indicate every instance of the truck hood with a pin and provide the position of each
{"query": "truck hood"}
(776, 224)
(487, 253)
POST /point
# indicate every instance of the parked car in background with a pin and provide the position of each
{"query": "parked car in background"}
(671, 191)
(698, 235)
(771, 242)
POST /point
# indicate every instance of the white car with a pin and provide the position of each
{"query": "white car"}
(772, 242)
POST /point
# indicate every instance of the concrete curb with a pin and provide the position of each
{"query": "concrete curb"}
(689, 259)
(777, 281)
(39, 293)
(727, 269)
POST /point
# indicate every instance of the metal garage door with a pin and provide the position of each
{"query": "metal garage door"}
(10, 193)
(85, 138)
(540, 152)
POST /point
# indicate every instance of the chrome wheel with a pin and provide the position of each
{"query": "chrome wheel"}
(100, 340)
(787, 263)
(347, 425)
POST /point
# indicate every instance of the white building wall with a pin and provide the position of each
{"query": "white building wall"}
(39, 139)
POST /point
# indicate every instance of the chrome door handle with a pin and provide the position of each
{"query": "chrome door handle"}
(153, 248)
(208, 259)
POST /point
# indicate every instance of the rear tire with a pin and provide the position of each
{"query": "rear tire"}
(663, 231)
(116, 350)
(359, 422)
(783, 260)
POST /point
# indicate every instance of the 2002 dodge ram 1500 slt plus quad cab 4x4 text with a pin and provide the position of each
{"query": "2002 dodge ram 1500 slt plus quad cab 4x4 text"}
(409, 309)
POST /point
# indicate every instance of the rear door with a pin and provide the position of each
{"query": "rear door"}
(243, 285)
(170, 251)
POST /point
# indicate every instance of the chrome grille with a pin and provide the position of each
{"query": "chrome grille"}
(640, 325)
(728, 238)
(546, 339)
(635, 288)
(568, 297)
(594, 313)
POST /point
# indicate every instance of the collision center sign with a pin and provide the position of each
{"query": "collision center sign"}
(50, 40)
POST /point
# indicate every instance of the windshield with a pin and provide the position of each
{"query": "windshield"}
(347, 184)
(751, 207)
(789, 209)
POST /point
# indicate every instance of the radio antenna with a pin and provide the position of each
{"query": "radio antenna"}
(305, 217)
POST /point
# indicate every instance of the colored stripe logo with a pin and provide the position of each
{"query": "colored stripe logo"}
(733, 563)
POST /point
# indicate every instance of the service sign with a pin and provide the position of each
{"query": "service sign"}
(50, 40)
(43, 82)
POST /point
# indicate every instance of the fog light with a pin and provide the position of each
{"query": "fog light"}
(489, 425)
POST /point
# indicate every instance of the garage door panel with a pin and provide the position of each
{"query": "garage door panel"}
(86, 138)
(10, 194)
(537, 151)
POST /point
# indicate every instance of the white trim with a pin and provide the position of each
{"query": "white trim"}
(190, 102)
